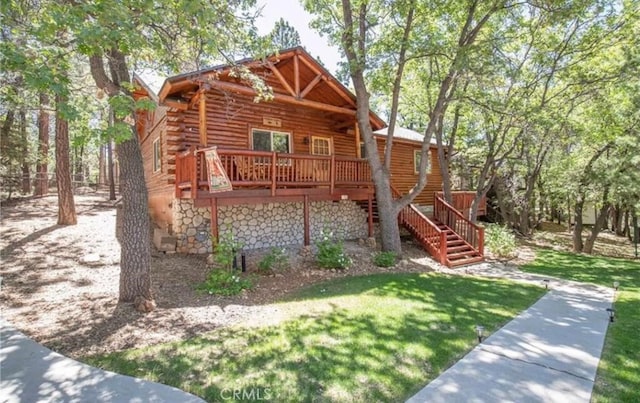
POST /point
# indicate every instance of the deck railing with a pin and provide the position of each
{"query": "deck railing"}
(452, 218)
(260, 169)
(432, 238)
(462, 200)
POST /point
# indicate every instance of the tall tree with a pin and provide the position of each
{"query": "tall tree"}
(358, 27)
(66, 206)
(284, 36)
(41, 187)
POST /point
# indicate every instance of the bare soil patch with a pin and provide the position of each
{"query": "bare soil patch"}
(60, 283)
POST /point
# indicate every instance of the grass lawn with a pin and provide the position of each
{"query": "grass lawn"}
(369, 338)
(618, 378)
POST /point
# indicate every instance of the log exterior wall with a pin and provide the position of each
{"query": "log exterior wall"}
(403, 176)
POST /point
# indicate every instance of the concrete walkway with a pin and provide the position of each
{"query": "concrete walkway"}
(548, 353)
(31, 373)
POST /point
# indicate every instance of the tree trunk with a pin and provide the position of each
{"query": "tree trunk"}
(102, 167)
(578, 246)
(78, 169)
(600, 222)
(110, 167)
(41, 187)
(26, 171)
(66, 205)
(135, 245)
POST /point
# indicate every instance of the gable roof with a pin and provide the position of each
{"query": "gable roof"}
(293, 74)
(404, 134)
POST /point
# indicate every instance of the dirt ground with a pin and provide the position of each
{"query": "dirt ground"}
(60, 283)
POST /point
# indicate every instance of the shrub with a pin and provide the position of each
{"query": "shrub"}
(223, 279)
(276, 259)
(224, 282)
(225, 249)
(331, 253)
(500, 240)
(385, 259)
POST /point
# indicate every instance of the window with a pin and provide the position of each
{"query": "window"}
(265, 140)
(157, 155)
(363, 150)
(320, 146)
(416, 161)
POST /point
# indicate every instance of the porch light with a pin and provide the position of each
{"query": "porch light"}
(480, 333)
(612, 314)
(546, 283)
(616, 285)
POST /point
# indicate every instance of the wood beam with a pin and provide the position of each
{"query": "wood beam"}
(358, 152)
(223, 85)
(281, 78)
(370, 218)
(202, 118)
(214, 218)
(307, 237)
(296, 76)
(174, 103)
(329, 82)
(310, 86)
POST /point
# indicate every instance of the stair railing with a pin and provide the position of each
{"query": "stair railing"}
(432, 238)
(452, 218)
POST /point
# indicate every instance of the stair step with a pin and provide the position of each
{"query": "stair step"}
(460, 248)
(461, 255)
(464, 262)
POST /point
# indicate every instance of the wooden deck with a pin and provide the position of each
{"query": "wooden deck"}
(269, 175)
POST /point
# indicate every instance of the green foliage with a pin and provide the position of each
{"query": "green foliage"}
(331, 253)
(500, 240)
(224, 282)
(276, 259)
(385, 259)
(225, 249)
(284, 36)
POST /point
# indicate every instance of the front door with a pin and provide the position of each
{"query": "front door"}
(321, 146)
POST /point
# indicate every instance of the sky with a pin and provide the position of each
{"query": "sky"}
(293, 12)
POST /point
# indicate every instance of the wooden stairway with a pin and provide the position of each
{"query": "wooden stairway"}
(448, 236)
(459, 252)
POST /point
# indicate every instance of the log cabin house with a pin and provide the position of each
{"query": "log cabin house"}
(292, 166)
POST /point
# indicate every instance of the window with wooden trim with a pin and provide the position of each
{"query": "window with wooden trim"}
(320, 145)
(157, 155)
(417, 154)
(267, 140)
(363, 150)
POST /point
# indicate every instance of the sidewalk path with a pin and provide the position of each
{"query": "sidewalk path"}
(548, 353)
(32, 373)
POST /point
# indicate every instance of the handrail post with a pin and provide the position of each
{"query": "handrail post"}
(273, 173)
(443, 248)
(193, 168)
(481, 241)
(332, 173)
(178, 174)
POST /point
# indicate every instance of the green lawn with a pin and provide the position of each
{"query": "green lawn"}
(370, 338)
(618, 378)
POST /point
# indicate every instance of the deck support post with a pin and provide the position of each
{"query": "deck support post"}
(357, 129)
(370, 210)
(202, 117)
(214, 218)
(307, 237)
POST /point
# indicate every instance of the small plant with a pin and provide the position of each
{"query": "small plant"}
(331, 253)
(223, 279)
(500, 241)
(385, 259)
(276, 259)
(225, 249)
(224, 282)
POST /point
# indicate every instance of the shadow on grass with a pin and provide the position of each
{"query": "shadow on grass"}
(400, 332)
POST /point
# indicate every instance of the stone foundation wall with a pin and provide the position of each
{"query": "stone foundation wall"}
(266, 225)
